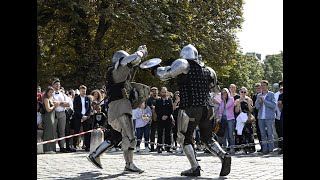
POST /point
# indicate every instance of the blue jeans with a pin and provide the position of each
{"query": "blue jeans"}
(263, 124)
(229, 131)
(145, 130)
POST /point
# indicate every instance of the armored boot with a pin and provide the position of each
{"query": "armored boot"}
(128, 143)
(94, 156)
(224, 157)
(192, 172)
(195, 168)
(130, 166)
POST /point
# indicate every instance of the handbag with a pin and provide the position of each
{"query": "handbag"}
(251, 118)
(216, 128)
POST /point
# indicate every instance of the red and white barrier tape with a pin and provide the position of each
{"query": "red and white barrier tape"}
(66, 137)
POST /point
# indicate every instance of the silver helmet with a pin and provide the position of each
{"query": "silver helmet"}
(117, 56)
(189, 52)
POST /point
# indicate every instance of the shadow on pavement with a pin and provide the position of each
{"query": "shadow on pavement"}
(256, 155)
(84, 175)
(185, 177)
(95, 175)
(118, 176)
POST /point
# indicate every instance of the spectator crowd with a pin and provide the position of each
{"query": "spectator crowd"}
(239, 118)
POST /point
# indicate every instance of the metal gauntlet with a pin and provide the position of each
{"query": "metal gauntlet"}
(179, 66)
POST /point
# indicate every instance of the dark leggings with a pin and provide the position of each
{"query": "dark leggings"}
(200, 117)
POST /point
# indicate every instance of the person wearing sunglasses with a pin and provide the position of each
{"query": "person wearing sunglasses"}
(244, 100)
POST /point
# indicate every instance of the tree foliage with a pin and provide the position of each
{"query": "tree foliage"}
(244, 70)
(273, 68)
(77, 38)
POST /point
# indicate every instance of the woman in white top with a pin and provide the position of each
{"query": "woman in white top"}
(142, 116)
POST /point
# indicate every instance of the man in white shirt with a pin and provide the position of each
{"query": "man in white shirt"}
(276, 88)
(278, 113)
(60, 112)
(82, 110)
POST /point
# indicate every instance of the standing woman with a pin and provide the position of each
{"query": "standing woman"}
(142, 116)
(96, 96)
(226, 114)
(243, 98)
(49, 121)
(245, 101)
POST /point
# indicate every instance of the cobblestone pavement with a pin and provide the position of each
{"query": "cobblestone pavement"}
(157, 166)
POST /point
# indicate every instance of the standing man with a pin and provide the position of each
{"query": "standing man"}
(278, 113)
(257, 88)
(151, 102)
(194, 81)
(69, 112)
(164, 110)
(266, 104)
(60, 112)
(120, 108)
(82, 110)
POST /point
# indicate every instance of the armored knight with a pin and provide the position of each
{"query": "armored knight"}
(120, 108)
(194, 80)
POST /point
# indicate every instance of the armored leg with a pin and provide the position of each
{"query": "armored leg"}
(186, 126)
(128, 143)
(94, 156)
(182, 125)
(224, 157)
(195, 168)
(105, 145)
(211, 145)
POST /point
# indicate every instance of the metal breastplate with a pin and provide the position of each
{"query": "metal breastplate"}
(118, 83)
(193, 87)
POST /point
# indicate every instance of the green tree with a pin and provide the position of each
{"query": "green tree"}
(77, 38)
(245, 70)
(273, 68)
